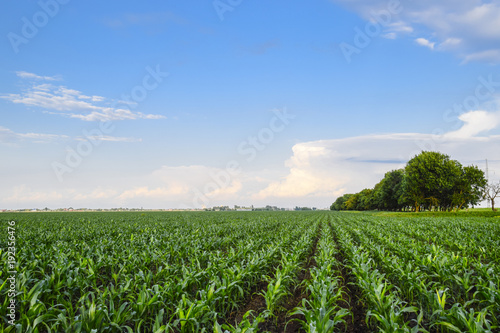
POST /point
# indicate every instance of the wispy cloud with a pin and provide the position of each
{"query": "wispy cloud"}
(60, 100)
(469, 28)
(488, 56)
(262, 48)
(144, 19)
(9, 136)
(109, 139)
(27, 75)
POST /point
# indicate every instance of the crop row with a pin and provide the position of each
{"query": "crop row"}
(452, 290)
(191, 272)
(141, 274)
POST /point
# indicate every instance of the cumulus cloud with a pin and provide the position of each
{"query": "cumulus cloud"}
(23, 194)
(315, 174)
(98, 194)
(146, 192)
(469, 28)
(475, 122)
(184, 186)
(187, 186)
(328, 168)
(60, 100)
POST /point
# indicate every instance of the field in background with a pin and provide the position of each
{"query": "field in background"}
(273, 271)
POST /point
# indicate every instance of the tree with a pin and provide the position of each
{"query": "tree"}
(339, 204)
(491, 191)
(430, 179)
(365, 200)
(360, 201)
(353, 202)
(469, 187)
(389, 190)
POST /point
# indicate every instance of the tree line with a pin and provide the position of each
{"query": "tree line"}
(429, 181)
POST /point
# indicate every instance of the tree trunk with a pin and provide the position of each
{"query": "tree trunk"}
(493, 204)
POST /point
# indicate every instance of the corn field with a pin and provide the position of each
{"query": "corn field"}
(248, 272)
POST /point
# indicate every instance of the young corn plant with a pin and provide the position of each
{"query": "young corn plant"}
(277, 289)
(191, 315)
(325, 318)
(321, 311)
(247, 325)
(459, 320)
(385, 307)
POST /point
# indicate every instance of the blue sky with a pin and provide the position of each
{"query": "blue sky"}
(146, 104)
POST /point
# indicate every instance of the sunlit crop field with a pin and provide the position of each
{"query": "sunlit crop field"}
(237, 271)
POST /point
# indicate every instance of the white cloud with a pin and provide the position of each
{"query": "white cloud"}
(23, 194)
(364, 162)
(450, 44)
(145, 192)
(27, 75)
(9, 136)
(109, 138)
(399, 27)
(169, 186)
(468, 28)
(327, 168)
(425, 42)
(60, 100)
(390, 35)
(150, 116)
(144, 19)
(201, 185)
(315, 174)
(488, 56)
(475, 122)
(97, 99)
(97, 194)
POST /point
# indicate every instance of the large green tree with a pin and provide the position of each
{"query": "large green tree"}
(469, 187)
(430, 180)
(339, 204)
(388, 191)
(353, 203)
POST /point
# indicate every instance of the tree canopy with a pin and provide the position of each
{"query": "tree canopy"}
(430, 180)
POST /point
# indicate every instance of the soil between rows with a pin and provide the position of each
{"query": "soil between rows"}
(352, 298)
(283, 323)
